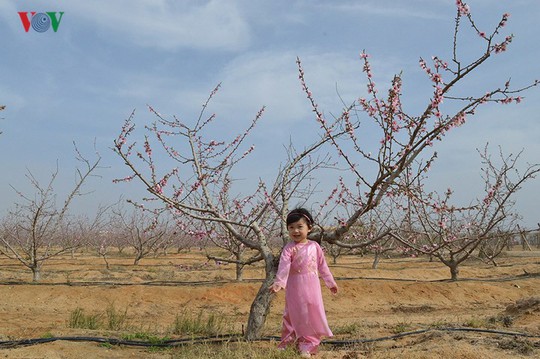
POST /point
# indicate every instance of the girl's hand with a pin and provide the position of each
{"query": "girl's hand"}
(274, 288)
(334, 290)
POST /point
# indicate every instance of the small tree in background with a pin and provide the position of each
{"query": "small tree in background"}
(236, 249)
(37, 228)
(494, 245)
(452, 234)
(145, 230)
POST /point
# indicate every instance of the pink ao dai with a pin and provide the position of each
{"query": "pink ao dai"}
(299, 269)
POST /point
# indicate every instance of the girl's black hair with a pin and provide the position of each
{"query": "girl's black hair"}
(296, 214)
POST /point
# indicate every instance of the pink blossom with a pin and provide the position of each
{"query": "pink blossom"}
(438, 97)
(147, 148)
(371, 88)
(436, 78)
(458, 120)
(423, 64)
(463, 8)
(125, 179)
(196, 186)
(386, 139)
(504, 19)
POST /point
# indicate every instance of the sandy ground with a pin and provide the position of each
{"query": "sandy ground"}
(402, 295)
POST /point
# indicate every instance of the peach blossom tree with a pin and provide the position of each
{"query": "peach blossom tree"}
(454, 234)
(203, 167)
(145, 231)
(195, 188)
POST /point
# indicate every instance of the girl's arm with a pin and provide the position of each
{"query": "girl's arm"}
(324, 271)
(283, 270)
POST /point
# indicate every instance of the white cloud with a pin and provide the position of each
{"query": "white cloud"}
(387, 8)
(271, 79)
(166, 24)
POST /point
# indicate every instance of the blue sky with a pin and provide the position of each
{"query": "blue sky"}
(109, 57)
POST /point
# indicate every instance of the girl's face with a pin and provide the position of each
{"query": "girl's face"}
(299, 230)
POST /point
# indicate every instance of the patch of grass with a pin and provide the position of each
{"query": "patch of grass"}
(347, 329)
(202, 323)
(233, 350)
(111, 319)
(154, 340)
(520, 345)
(78, 319)
(146, 337)
(116, 320)
(401, 327)
(106, 345)
(475, 323)
(441, 324)
(506, 320)
(47, 335)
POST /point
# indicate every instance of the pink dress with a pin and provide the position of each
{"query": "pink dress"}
(304, 319)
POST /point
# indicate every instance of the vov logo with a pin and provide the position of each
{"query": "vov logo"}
(40, 21)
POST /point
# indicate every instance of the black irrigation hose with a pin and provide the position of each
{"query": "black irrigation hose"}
(223, 282)
(422, 331)
(120, 284)
(126, 342)
(238, 337)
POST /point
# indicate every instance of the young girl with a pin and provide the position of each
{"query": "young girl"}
(300, 264)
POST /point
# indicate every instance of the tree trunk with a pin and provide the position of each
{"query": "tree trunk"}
(104, 256)
(239, 272)
(261, 304)
(454, 271)
(376, 260)
(36, 273)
